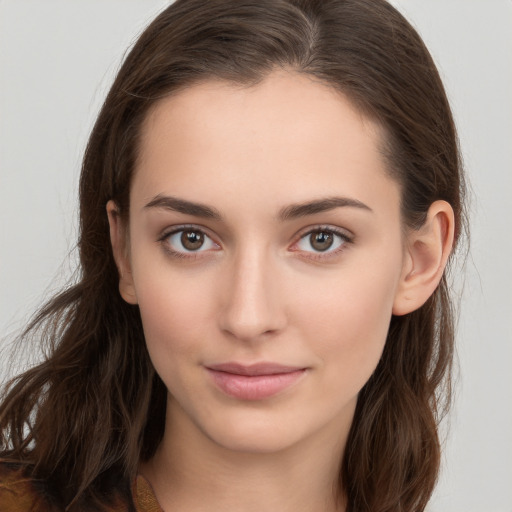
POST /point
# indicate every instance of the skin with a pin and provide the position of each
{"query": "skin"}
(258, 290)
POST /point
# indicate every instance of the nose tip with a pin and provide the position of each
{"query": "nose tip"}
(247, 325)
(251, 316)
(252, 309)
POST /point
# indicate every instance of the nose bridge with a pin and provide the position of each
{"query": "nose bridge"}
(251, 305)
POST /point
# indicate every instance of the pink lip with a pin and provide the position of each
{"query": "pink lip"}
(254, 382)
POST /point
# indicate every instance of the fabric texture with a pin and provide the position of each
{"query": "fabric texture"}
(20, 494)
(144, 497)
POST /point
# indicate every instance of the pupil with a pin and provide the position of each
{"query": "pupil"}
(192, 240)
(321, 241)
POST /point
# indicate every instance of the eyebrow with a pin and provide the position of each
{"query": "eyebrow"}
(183, 206)
(295, 211)
(290, 212)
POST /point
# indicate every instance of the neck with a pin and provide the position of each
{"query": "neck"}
(190, 472)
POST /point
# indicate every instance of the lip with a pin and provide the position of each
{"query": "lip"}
(256, 381)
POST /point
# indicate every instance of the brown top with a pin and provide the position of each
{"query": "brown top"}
(143, 496)
(19, 494)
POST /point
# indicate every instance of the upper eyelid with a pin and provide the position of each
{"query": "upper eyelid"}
(325, 227)
(184, 227)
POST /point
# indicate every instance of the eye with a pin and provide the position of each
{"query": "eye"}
(323, 240)
(188, 240)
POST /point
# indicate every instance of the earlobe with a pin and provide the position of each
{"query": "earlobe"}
(118, 239)
(428, 249)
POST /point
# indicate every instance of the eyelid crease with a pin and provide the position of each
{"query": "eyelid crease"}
(183, 227)
(316, 228)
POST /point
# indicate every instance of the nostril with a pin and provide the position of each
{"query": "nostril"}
(249, 321)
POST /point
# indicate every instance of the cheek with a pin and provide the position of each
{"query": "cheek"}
(346, 320)
(348, 344)
(352, 324)
(173, 309)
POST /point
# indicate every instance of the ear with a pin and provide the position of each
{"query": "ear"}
(120, 249)
(427, 252)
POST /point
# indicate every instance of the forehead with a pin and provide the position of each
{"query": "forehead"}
(288, 135)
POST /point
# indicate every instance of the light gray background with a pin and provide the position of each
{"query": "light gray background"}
(57, 59)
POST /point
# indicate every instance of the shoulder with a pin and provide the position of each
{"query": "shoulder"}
(18, 493)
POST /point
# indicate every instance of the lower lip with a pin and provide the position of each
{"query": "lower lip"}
(254, 387)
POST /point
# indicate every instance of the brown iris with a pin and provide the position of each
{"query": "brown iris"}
(321, 240)
(192, 240)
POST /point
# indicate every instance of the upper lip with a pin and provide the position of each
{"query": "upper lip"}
(254, 369)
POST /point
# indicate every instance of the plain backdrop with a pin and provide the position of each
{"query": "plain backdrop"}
(57, 60)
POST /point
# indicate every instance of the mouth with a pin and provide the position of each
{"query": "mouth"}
(254, 382)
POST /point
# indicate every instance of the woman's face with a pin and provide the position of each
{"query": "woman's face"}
(265, 251)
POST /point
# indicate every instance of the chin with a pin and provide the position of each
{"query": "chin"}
(259, 440)
(260, 430)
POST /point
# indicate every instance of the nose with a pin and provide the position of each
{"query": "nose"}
(251, 304)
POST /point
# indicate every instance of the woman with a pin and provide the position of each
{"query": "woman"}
(268, 202)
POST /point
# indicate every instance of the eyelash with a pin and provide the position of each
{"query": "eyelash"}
(346, 240)
(192, 255)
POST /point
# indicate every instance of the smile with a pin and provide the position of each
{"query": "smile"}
(254, 382)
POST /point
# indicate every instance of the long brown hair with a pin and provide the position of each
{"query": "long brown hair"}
(82, 420)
